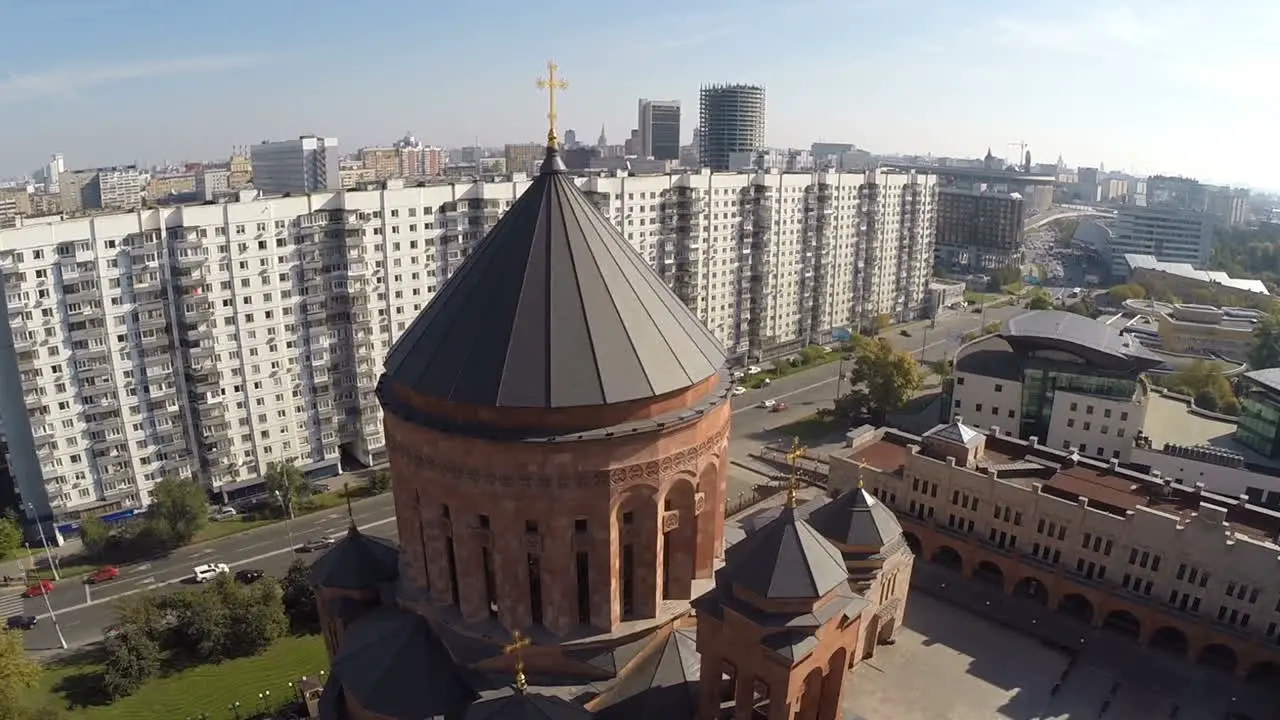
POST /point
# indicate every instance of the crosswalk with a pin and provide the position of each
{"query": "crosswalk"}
(11, 602)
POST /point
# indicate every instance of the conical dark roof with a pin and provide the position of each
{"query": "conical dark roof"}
(553, 309)
(356, 562)
(785, 560)
(525, 705)
(856, 518)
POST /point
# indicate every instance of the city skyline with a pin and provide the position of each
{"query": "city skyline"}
(1146, 87)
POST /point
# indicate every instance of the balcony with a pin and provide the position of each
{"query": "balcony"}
(17, 319)
(162, 393)
(149, 304)
(211, 412)
(32, 399)
(80, 295)
(187, 280)
(188, 240)
(23, 343)
(69, 272)
(83, 311)
(108, 444)
(200, 352)
(152, 321)
(27, 361)
(203, 384)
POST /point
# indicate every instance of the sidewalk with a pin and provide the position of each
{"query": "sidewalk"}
(1145, 675)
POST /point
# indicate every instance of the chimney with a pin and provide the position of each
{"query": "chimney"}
(1242, 499)
(1199, 488)
(1156, 474)
(1115, 464)
(995, 431)
(1033, 440)
(959, 420)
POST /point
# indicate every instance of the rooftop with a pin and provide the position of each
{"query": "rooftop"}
(1078, 334)
(1068, 476)
(1186, 270)
(553, 309)
(1170, 421)
(1268, 378)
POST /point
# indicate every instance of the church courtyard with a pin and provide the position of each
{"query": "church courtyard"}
(948, 664)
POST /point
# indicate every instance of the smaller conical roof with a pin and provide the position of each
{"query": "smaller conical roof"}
(356, 562)
(955, 432)
(518, 704)
(785, 560)
(856, 518)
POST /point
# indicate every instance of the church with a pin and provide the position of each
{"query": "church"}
(557, 425)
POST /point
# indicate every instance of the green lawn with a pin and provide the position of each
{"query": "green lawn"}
(752, 382)
(186, 693)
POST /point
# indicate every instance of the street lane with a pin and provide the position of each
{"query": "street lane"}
(83, 611)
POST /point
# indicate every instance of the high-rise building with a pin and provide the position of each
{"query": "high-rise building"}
(1177, 192)
(1088, 184)
(730, 119)
(659, 126)
(1167, 233)
(212, 182)
(213, 340)
(523, 157)
(979, 230)
(112, 188)
(1231, 205)
(308, 164)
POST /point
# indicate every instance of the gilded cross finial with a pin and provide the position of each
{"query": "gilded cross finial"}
(797, 451)
(551, 84)
(861, 468)
(518, 643)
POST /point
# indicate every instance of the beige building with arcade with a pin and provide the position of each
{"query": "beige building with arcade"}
(1176, 568)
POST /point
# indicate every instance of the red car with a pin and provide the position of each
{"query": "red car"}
(43, 587)
(778, 407)
(104, 574)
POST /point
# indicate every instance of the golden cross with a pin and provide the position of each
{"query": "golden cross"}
(551, 84)
(861, 467)
(518, 643)
(796, 452)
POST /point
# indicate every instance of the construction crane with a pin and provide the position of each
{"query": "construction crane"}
(1021, 160)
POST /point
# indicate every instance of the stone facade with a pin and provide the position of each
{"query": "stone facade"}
(497, 535)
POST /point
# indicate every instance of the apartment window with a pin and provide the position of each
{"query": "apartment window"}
(1074, 407)
(999, 387)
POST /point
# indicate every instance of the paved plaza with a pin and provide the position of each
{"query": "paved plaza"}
(949, 664)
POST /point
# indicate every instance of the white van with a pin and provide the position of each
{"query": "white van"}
(205, 573)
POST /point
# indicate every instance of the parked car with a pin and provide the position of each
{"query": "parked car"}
(207, 572)
(753, 370)
(21, 622)
(103, 575)
(44, 587)
(224, 513)
(249, 576)
(738, 390)
(324, 542)
(111, 631)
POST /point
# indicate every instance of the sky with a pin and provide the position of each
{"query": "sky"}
(1148, 86)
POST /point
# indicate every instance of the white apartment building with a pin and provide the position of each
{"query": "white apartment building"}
(307, 164)
(212, 340)
(1168, 234)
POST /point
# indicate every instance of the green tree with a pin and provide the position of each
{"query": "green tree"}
(145, 613)
(881, 323)
(1266, 343)
(811, 354)
(132, 659)
(991, 328)
(257, 616)
(200, 621)
(380, 482)
(287, 483)
(179, 509)
(1127, 291)
(1003, 277)
(10, 534)
(1040, 300)
(298, 596)
(881, 381)
(18, 673)
(95, 536)
(942, 368)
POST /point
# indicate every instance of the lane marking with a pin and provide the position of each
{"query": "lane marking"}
(151, 583)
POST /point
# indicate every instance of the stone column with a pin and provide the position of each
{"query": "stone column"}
(511, 575)
(469, 560)
(559, 577)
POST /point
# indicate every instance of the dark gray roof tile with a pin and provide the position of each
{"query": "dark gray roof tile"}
(525, 705)
(357, 562)
(553, 309)
(785, 560)
(856, 519)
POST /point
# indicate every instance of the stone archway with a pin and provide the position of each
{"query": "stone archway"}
(637, 525)
(832, 684)
(1265, 673)
(948, 557)
(679, 540)
(1219, 657)
(1076, 606)
(1029, 588)
(1123, 623)
(1170, 640)
(811, 696)
(989, 573)
(913, 542)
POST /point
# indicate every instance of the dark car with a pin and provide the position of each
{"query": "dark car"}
(324, 542)
(22, 622)
(248, 577)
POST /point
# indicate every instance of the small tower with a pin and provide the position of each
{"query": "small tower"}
(778, 630)
(875, 551)
(349, 579)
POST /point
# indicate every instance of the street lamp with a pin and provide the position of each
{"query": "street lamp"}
(288, 518)
(235, 709)
(52, 616)
(48, 555)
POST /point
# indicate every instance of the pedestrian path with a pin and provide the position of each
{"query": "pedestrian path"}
(11, 602)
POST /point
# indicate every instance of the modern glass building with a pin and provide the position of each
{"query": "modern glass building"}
(1258, 427)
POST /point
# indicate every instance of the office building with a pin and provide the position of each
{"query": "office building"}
(1204, 330)
(225, 337)
(979, 230)
(659, 127)
(1231, 205)
(1174, 567)
(1185, 281)
(110, 188)
(523, 157)
(730, 119)
(296, 167)
(212, 183)
(1088, 185)
(14, 203)
(1166, 233)
(1062, 378)
(1177, 192)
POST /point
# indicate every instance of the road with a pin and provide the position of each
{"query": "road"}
(83, 610)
